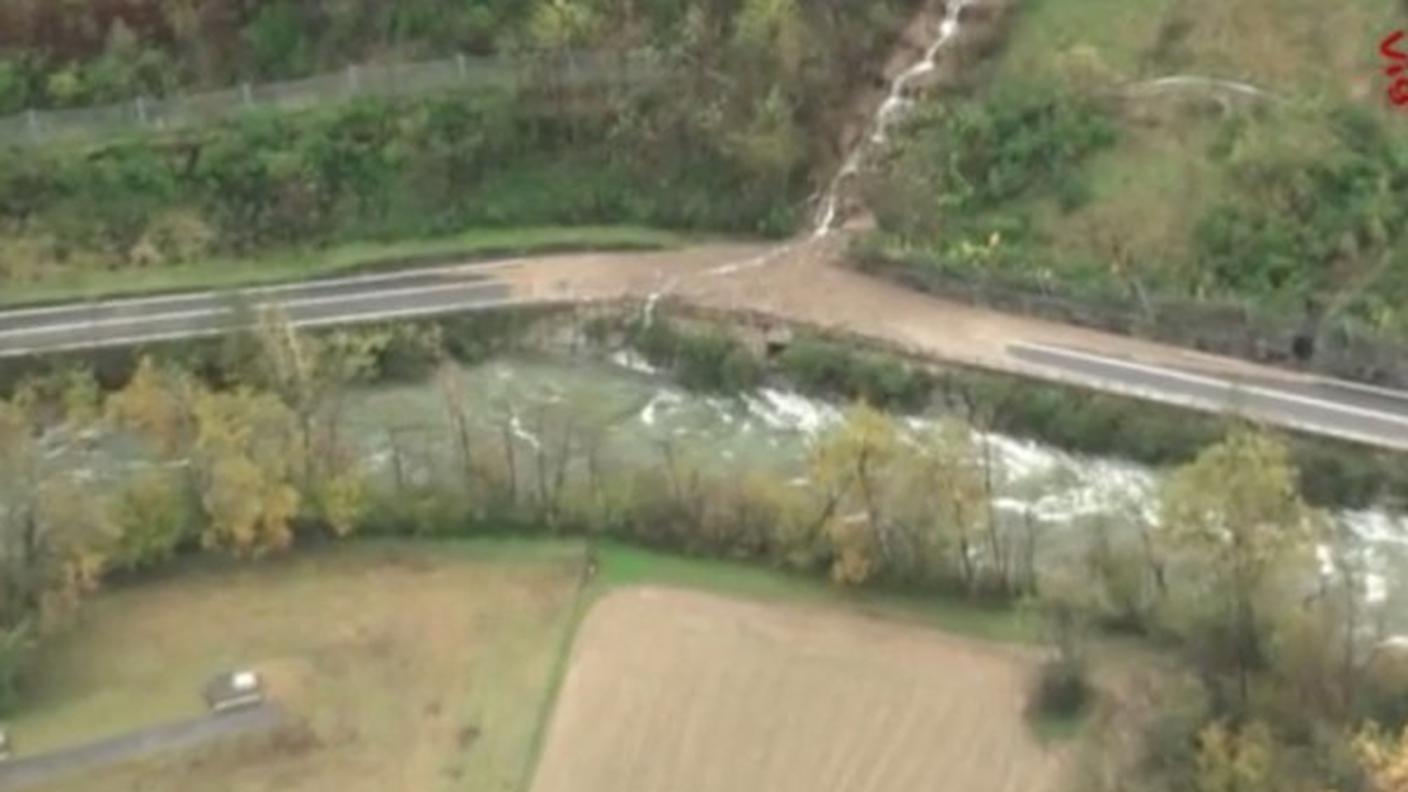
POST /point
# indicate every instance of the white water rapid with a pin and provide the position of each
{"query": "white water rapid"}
(897, 101)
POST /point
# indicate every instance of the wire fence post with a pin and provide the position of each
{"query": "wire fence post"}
(141, 110)
(462, 65)
(353, 80)
(33, 120)
(247, 94)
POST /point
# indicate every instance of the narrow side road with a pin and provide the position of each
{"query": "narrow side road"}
(26, 772)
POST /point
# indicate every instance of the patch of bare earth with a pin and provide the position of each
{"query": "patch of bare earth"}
(809, 282)
(688, 692)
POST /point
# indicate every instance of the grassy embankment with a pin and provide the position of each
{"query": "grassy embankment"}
(1076, 175)
(1153, 186)
(355, 257)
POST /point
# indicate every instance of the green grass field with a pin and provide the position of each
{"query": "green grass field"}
(1149, 191)
(1292, 47)
(627, 566)
(391, 652)
(91, 284)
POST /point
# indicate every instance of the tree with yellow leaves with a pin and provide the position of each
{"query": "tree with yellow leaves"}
(246, 455)
(1237, 510)
(157, 403)
(1232, 759)
(944, 492)
(1385, 759)
(850, 466)
(53, 531)
(311, 376)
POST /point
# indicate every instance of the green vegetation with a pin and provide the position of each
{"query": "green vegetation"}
(338, 259)
(839, 371)
(252, 191)
(628, 565)
(725, 145)
(1191, 211)
(711, 361)
(962, 163)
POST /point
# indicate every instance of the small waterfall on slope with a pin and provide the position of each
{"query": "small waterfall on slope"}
(891, 110)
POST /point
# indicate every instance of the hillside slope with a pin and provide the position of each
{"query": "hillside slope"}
(1238, 152)
(727, 143)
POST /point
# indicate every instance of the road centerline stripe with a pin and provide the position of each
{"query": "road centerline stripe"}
(1232, 386)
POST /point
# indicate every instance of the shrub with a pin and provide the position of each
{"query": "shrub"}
(1062, 688)
(716, 362)
(836, 370)
(970, 156)
(156, 514)
(173, 237)
(708, 361)
(410, 352)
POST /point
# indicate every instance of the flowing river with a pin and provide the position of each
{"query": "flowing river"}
(408, 427)
(773, 429)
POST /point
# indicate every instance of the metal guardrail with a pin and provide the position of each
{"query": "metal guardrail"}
(560, 70)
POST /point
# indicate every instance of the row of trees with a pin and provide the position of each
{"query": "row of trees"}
(240, 467)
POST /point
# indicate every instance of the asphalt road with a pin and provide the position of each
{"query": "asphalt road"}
(342, 301)
(1372, 415)
(23, 772)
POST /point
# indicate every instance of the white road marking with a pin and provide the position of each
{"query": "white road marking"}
(206, 332)
(1231, 385)
(216, 310)
(1051, 373)
(1362, 387)
(166, 299)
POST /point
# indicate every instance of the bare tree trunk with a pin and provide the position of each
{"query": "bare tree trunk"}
(1349, 672)
(996, 546)
(397, 468)
(510, 460)
(872, 507)
(965, 553)
(540, 464)
(564, 461)
(450, 392)
(1028, 565)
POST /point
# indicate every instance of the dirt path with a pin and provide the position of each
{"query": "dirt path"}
(690, 692)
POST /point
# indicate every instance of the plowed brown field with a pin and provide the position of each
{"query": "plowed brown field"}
(673, 691)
